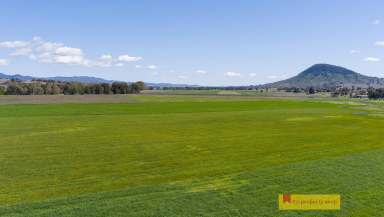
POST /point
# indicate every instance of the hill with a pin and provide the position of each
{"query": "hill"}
(325, 75)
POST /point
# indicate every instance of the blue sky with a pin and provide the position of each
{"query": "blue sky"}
(205, 42)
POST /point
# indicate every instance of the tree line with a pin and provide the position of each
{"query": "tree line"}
(377, 93)
(69, 88)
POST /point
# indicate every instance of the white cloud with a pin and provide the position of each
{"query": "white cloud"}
(105, 60)
(48, 46)
(200, 71)
(272, 77)
(13, 44)
(46, 52)
(69, 59)
(379, 43)
(232, 74)
(371, 59)
(3, 62)
(56, 52)
(36, 38)
(26, 51)
(138, 66)
(64, 55)
(354, 51)
(376, 22)
(252, 74)
(127, 58)
(182, 77)
(106, 57)
(69, 51)
(152, 67)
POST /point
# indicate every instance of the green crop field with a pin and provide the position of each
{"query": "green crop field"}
(189, 156)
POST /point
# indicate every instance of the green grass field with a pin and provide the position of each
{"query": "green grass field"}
(189, 156)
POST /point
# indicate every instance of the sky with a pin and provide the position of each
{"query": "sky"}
(205, 42)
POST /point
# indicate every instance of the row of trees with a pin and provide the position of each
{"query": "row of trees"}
(70, 88)
(376, 93)
(353, 92)
(308, 90)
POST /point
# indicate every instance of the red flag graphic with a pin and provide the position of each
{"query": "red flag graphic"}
(286, 198)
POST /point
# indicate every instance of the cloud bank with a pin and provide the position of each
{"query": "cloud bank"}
(372, 59)
(55, 52)
(3, 62)
(232, 74)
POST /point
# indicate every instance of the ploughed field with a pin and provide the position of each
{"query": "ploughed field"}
(189, 156)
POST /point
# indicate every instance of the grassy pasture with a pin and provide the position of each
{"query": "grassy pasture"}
(189, 156)
(270, 93)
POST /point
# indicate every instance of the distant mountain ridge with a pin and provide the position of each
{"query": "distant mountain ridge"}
(326, 75)
(84, 79)
(16, 77)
